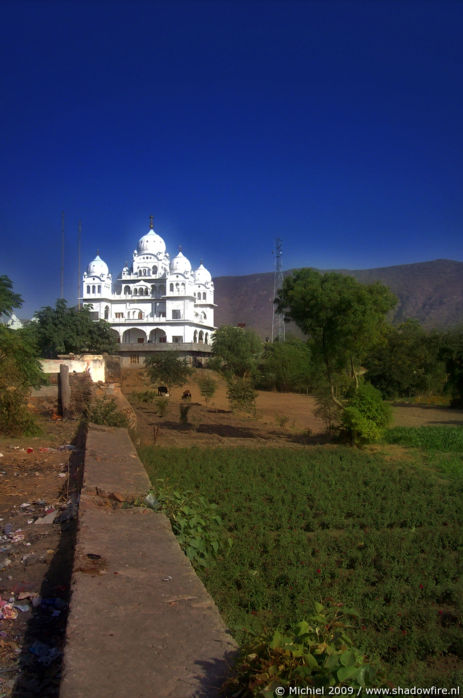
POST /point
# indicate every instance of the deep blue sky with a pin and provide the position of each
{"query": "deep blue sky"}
(336, 126)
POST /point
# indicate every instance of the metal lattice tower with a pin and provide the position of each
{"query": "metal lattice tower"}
(278, 321)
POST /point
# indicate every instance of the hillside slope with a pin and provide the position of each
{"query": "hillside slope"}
(431, 292)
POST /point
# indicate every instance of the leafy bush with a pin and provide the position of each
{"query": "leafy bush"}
(161, 403)
(241, 394)
(105, 411)
(146, 396)
(15, 418)
(366, 416)
(195, 522)
(316, 652)
(165, 368)
(207, 386)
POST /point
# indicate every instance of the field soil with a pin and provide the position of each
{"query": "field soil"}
(281, 419)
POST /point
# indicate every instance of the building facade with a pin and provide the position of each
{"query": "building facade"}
(154, 301)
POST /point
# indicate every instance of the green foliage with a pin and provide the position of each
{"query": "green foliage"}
(241, 394)
(235, 352)
(451, 351)
(381, 535)
(144, 396)
(207, 386)
(20, 369)
(161, 403)
(405, 362)
(196, 523)
(366, 416)
(105, 411)
(63, 330)
(286, 366)
(443, 438)
(166, 369)
(8, 299)
(341, 317)
(314, 652)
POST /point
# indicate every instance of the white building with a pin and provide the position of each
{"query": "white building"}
(156, 300)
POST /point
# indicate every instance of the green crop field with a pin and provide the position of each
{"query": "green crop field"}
(378, 531)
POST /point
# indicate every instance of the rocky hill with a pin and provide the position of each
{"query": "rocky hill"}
(431, 292)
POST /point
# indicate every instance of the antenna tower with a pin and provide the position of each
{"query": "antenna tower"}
(278, 321)
(79, 236)
(61, 280)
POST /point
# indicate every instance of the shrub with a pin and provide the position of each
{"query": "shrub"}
(366, 415)
(241, 394)
(207, 386)
(104, 411)
(196, 524)
(317, 652)
(15, 418)
(161, 404)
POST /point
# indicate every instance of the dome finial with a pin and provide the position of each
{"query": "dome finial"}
(180, 248)
(151, 223)
(98, 253)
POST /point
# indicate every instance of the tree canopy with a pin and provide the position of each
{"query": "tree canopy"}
(235, 351)
(65, 330)
(165, 368)
(341, 317)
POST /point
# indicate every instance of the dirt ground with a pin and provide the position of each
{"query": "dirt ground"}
(39, 479)
(282, 419)
(41, 476)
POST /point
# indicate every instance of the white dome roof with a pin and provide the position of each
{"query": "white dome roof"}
(202, 275)
(180, 264)
(151, 243)
(97, 267)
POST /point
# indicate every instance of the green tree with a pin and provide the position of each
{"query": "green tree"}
(165, 368)
(207, 386)
(405, 362)
(451, 352)
(235, 352)
(341, 318)
(286, 366)
(65, 330)
(20, 368)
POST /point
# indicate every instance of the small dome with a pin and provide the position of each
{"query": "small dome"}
(97, 267)
(151, 243)
(202, 275)
(180, 264)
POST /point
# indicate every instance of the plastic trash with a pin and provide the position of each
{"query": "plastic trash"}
(151, 501)
(7, 611)
(44, 653)
(23, 607)
(48, 518)
(29, 450)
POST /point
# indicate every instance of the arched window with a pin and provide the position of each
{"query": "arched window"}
(140, 315)
(195, 336)
(177, 287)
(93, 289)
(171, 288)
(88, 288)
(204, 296)
(154, 270)
(99, 289)
(106, 312)
(206, 337)
(201, 337)
(127, 290)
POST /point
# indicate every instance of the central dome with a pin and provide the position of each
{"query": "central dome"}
(151, 243)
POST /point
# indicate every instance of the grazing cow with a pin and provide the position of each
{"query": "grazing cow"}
(163, 391)
(186, 395)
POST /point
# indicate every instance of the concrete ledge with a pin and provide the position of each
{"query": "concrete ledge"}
(112, 466)
(141, 623)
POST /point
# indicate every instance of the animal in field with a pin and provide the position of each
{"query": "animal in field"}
(186, 395)
(163, 391)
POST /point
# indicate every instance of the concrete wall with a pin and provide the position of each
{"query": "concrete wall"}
(93, 363)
